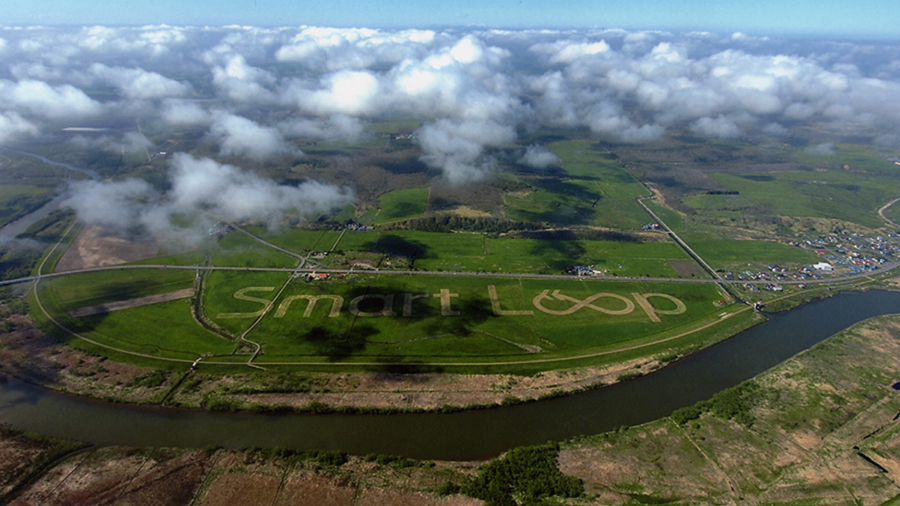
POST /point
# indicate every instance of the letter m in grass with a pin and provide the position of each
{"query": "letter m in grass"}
(336, 303)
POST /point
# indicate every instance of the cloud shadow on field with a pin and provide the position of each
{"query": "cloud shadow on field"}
(562, 243)
(397, 246)
(337, 346)
(410, 165)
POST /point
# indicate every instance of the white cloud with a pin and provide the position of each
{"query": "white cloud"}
(237, 135)
(141, 84)
(538, 157)
(203, 191)
(242, 82)
(346, 92)
(721, 127)
(184, 113)
(13, 126)
(131, 142)
(53, 102)
(337, 127)
(457, 148)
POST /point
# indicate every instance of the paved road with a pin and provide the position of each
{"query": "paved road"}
(501, 275)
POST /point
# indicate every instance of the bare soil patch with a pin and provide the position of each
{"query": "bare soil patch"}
(687, 268)
(96, 247)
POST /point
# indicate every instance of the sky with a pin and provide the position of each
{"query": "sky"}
(861, 19)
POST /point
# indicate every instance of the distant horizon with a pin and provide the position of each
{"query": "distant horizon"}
(864, 20)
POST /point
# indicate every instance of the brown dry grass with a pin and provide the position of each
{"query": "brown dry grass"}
(95, 247)
(816, 409)
(419, 391)
(29, 354)
(121, 477)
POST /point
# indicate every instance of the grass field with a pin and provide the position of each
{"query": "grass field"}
(595, 190)
(298, 240)
(405, 317)
(398, 205)
(166, 330)
(88, 289)
(836, 194)
(380, 318)
(240, 250)
(854, 156)
(667, 214)
(474, 252)
(729, 253)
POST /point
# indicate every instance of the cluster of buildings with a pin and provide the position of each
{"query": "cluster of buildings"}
(585, 270)
(359, 227)
(853, 253)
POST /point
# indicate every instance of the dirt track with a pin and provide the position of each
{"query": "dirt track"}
(126, 304)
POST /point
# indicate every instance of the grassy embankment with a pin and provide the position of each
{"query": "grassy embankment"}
(813, 430)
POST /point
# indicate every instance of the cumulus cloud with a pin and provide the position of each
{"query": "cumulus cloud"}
(538, 157)
(204, 191)
(720, 127)
(242, 82)
(233, 194)
(826, 148)
(240, 136)
(120, 205)
(13, 126)
(457, 148)
(337, 127)
(346, 92)
(138, 83)
(42, 99)
(184, 113)
(252, 88)
(343, 49)
(131, 142)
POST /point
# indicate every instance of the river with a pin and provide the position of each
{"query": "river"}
(470, 435)
(11, 230)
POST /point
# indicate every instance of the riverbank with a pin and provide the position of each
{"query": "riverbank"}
(822, 428)
(29, 354)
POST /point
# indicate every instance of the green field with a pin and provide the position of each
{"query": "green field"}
(596, 190)
(240, 250)
(298, 240)
(835, 194)
(405, 317)
(854, 156)
(166, 329)
(88, 289)
(729, 253)
(367, 318)
(398, 205)
(473, 252)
